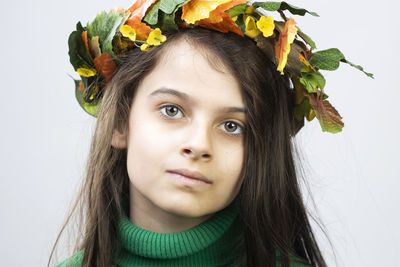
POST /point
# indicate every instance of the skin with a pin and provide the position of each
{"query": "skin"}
(195, 135)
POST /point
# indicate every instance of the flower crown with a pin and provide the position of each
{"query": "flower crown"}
(95, 50)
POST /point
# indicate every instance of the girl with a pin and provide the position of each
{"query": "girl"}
(191, 162)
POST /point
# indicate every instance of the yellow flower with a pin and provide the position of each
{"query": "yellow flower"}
(251, 29)
(86, 72)
(128, 31)
(234, 18)
(155, 37)
(266, 25)
(249, 9)
(145, 47)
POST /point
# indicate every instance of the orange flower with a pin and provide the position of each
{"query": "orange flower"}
(286, 37)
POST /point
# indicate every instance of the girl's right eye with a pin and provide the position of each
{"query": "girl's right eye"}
(170, 111)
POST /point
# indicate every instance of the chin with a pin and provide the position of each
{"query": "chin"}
(190, 211)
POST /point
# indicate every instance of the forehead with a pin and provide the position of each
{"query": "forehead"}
(185, 68)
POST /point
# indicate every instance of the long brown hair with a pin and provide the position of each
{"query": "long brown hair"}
(272, 213)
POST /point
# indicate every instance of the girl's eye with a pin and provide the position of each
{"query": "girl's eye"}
(232, 128)
(170, 111)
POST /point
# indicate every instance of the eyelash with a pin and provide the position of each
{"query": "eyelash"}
(232, 134)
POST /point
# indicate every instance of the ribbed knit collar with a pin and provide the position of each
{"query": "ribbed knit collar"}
(154, 245)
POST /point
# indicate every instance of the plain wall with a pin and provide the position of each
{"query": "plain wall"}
(353, 175)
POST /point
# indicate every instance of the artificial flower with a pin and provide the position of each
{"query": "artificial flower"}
(86, 72)
(155, 37)
(266, 25)
(145, 47)
(249, 9)
(251, 29)
(128, 31)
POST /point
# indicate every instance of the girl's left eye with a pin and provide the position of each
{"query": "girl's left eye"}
(170, 111)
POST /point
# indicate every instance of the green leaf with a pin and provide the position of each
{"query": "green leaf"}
(91, 108)
(78, 55)
(236, 10)
(169, 6)
(274, 6)
(301, 110)
(167, 21)
(306, 37)
(240, 23)
(330, 59)
(311, 80)
(152, 16)
(358, 67)
(105, 26)
(326, 59)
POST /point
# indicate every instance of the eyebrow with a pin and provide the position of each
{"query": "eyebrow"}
(186, 97)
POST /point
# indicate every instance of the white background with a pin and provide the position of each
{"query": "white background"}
(353, 175)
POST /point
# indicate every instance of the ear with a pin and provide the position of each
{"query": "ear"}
(119, 140)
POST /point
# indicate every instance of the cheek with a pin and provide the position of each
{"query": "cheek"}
(145, 150)
(232, 163)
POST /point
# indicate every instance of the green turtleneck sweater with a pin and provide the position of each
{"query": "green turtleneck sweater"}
(212, 243)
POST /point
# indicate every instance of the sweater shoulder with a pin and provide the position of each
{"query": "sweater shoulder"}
(74, 261)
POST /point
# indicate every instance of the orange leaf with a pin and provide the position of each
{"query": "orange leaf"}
(139, 8)
(85, 40)
(227, 24)
(196, 10)
(142, 30)
(216, 14)
(286, 37)
(303, 58)
(105, 65)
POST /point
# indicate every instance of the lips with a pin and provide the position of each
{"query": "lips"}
(191, 174)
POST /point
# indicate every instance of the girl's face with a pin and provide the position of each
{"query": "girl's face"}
(185, 115)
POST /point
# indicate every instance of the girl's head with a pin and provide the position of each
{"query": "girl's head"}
(209, 102)
(201, 101)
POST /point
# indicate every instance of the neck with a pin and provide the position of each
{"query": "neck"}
(146, 215)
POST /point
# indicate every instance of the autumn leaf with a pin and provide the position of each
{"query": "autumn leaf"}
(305, 61)
(139, 8)
(105, 65)
(226, 25)
(286, 38)
(216, 14)
(196, 10)
(327, 115)
(142, 30)
(85, 41)
(219, 20)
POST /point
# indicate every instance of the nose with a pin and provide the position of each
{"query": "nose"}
(198, 144)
